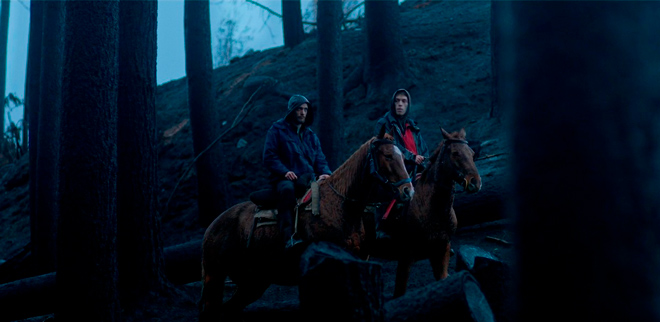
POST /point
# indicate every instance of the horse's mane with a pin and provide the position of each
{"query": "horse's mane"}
(435, 155)
(432, 159)
(350, 170)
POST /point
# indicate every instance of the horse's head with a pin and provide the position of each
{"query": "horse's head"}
(459, 158)
(386, 165)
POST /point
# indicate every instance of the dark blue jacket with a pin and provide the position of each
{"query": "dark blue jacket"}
(286, 151)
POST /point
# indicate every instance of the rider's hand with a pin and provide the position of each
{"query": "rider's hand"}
(419, 159)
(291, 176)
(324, 176)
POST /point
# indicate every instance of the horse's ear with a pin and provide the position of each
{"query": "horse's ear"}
(461, 133)
(445, 134)
(382, 132)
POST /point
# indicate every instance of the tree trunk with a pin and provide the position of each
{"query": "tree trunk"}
(140, 255)
(386, 69)
(495, 7)
(203, 115)
(86, 243)
(586, 202)
(330, 82)
(31, 114)
(4, 37)
(292, 25)
(44, 234)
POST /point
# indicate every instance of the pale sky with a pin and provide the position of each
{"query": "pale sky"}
(255, 27)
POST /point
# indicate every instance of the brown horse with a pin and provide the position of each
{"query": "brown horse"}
(244, 244)
(426, 228)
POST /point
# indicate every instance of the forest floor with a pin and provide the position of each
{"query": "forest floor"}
(447, 44)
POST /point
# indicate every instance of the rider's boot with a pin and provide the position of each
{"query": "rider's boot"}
(290, 239)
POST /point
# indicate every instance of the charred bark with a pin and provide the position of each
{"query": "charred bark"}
(385, 68)
(330, 74)
(292, 25)
(31, 114)
(140, 255)
(203, 115)
(86, 241)
(44, 234)
(4, 37)
(456, 298)
(586, 200)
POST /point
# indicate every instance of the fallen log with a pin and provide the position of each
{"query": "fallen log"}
(34, 296)
(183, 262)
(456, 298)
(338, 286)
(489, 203)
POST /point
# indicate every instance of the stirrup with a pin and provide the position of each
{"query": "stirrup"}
(292, 242)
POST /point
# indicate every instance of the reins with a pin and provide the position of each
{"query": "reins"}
(339, 194)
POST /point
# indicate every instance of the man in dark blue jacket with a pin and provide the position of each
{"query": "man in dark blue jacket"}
(293, 156)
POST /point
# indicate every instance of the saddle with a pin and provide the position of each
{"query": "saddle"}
(266, 199)
(266, 206)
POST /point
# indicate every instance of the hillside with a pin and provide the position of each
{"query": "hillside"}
(448, 49)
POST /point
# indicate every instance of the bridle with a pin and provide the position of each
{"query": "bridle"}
(457, 175)
(373, 165)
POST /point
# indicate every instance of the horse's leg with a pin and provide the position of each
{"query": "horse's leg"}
(212, 294)
(440, 263)
(246, 293)
(402, 275)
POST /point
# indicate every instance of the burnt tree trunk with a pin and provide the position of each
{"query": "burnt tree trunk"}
(140, 255)
(586, 203)
(385, 68)
(31, 114)
(4, 38)
(292, 25)
(86, 243)
(47, 150)
(204, 120)
(330, 82)
(495, 8)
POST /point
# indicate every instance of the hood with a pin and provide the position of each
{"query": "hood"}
(392, 111)
(294, 102)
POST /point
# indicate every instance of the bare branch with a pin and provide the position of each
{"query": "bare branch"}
(274, 13)
(353, 9)
(237, 120)
(24, 5)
